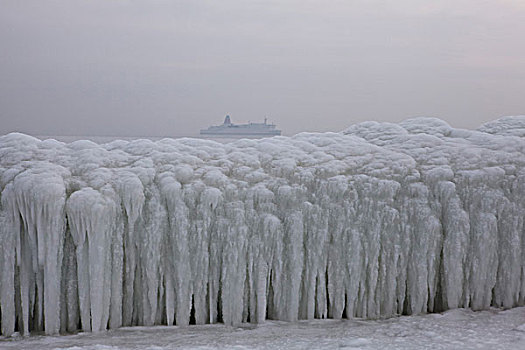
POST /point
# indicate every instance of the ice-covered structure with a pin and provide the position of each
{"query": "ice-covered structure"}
(378, 220)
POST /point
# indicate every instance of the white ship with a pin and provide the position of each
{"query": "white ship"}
(237, 130)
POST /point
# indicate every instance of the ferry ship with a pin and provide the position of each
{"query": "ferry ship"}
(228, 129)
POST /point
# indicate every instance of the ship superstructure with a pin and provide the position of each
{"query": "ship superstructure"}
(237, 130)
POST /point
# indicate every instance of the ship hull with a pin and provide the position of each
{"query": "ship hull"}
(241, 133)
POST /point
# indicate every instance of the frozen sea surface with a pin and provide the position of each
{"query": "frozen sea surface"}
(455, 329)
(107, 139)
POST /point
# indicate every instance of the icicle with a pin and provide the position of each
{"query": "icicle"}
(379, 220)
(9, 225)
(91, 218)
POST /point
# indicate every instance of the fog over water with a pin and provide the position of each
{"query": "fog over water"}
(165, 68)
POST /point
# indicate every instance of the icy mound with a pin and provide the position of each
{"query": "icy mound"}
(508, 126)
(380, 220)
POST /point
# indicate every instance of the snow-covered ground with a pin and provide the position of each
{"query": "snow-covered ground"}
(454, 329)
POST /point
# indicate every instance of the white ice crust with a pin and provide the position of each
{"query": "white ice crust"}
(378, 220)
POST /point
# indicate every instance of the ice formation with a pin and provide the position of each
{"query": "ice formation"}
(378, 220)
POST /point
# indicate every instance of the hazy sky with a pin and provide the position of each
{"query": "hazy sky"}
(160, 68)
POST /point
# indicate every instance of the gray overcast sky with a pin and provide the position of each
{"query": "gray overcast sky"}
(160, 68)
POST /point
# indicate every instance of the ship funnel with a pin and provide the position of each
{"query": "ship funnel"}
(227, 120)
